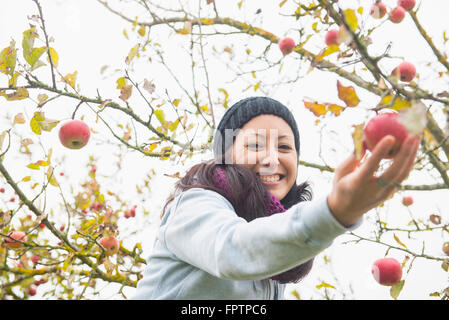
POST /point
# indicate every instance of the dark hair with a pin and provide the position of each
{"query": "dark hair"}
(243, 181)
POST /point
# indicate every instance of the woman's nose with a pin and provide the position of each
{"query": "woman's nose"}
(270, 160)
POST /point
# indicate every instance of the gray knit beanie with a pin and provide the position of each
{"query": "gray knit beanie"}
(242, 112)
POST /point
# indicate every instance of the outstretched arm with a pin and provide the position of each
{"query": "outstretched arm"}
(356, 189)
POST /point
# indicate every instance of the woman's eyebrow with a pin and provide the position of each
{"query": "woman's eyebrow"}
(280, 137)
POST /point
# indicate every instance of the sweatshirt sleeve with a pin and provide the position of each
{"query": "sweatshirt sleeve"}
(204, 230)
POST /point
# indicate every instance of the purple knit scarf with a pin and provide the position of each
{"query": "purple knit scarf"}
(272, 204)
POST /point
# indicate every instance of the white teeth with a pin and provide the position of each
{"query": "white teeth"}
(270, 178)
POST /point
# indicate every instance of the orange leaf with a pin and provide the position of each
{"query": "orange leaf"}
(347, 95)
(316, 108)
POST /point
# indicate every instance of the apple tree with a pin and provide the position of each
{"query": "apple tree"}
(337, 64)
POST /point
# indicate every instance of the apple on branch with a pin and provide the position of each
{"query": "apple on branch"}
(111, 244)
(74, 134)
(397, 14)
(405, 71)
(387, 271)
(378, 10)
(406, 4)
(407, 201)
(331, 38)
(286, 45)
(15, 235)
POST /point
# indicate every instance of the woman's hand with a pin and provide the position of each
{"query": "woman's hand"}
(356, 189)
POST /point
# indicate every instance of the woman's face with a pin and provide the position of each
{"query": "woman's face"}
(266, 145)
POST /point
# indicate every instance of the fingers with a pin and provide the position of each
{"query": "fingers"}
(346, 167)
(403, 162)
(370, 166)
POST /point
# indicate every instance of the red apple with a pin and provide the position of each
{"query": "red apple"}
(111, 245)
(2, 190)
(406, 4)
(407, 201)
(446, 248)
(32, 291)
(387, 271)
(378, 10)
(35, 258)
(74, 134)
(382, 125)
(286, 45)
(406, 71)
(18, 235)
(331, 37)
(397, 14)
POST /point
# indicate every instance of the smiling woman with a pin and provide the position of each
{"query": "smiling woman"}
(239, 227)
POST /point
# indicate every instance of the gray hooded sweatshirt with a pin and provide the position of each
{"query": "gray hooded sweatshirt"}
(203, 250)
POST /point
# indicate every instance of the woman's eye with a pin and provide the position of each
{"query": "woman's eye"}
(284, 146)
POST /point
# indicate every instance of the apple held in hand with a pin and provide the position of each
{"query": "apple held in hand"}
(111, 245)
(387, 271)
(382, 125)
(378, 10)
(74, 134)
(18, 235)
(286, 45)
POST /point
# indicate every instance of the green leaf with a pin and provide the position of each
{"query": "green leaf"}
(8, 57)
(28, 42)
(38, 122)
(396, 289)
(34, 56)
(160, 115)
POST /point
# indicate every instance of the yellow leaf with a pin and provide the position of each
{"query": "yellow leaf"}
(70, 79)
(325, 285)
(27, 178)
(176, 102)
(42, 97)
(357, 137)
(360, 10)
(51, 177)
(54, 57)
(240, 4)
(327, 51)
(282, 3)
(142, 31)
(132, 53)
(351, 19)
(8, 58)
(348, 95)
(399, 241)
(256, 86)
(121, 82)
(397, 104)
(160, 115)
